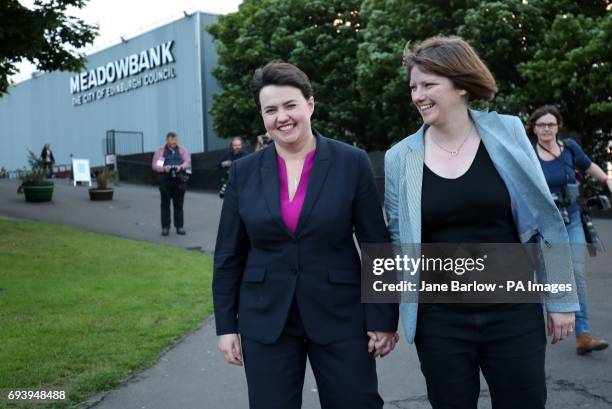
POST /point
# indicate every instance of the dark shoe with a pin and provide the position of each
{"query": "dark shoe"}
(165, 231)
(181, 231)
(586, 343)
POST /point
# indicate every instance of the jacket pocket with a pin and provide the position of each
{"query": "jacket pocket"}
(254, 275)
(338, 276)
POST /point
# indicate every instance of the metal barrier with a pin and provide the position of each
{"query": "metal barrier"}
(123, 142)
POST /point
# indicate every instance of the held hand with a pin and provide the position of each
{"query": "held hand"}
(166, 169)
(560, 325)
(381, 343)
(226, 163)
(229, 345)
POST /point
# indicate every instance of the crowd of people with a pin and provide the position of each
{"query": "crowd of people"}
(287, 283)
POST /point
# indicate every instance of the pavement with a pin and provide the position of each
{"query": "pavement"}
(192, 374)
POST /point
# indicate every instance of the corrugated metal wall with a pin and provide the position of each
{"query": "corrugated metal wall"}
(41, 109)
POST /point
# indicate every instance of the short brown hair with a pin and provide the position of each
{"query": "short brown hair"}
(280, 73)
(540, 112)
(170, 135)
(455, 59)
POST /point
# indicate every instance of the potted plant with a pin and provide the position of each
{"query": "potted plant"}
(34, 183)
(102, 191)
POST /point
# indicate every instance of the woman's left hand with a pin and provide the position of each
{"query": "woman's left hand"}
(560, 325)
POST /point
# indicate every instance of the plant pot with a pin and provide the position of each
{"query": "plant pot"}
(100, 194)
(38, 193)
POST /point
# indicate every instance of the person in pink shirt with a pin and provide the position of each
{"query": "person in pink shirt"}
(287, 282)
(172, 163)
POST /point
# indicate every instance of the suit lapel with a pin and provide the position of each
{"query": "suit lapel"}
(412, 186)
(319, 173)
(271, 188)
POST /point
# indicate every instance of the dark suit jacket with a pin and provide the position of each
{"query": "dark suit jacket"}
(260, 266)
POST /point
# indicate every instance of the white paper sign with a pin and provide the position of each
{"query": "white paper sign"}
(160, 163)
(81, 171)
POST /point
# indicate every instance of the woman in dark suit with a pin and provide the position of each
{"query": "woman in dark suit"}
(287, 272)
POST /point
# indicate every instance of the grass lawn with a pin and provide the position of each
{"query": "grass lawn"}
(79, 311)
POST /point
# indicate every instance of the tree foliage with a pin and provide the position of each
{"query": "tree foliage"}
(572, 69)
(46, 36)
(509, 36)
(319, 36)
(540, 51)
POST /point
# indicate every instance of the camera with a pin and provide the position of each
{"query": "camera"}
(562, 203)
(173, 171)
(599, 202)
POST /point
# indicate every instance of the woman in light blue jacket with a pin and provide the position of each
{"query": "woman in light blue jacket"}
(472, 177)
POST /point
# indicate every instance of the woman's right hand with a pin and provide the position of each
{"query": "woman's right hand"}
(560, 325)
(229, 345)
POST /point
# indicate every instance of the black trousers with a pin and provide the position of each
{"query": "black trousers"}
(507, 342)
(345, 372)
(175, 192)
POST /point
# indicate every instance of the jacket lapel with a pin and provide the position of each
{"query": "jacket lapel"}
(412, 183)
(271, 188)
(319, 173)
(507, 157)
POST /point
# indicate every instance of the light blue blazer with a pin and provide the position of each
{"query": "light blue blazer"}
(535, 215)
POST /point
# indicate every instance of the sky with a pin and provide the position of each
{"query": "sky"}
(128, 18)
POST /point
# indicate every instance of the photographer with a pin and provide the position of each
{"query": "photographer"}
(172, 162)
(234, 153)
(559, 159)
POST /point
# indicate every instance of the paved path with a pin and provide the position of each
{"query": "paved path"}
(133, 213)
(193, 375)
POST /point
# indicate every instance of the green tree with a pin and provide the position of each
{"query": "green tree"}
(572, 68)
(352, 51)
(46, 36)
(319, 36)
(505, 34)
(382, 80)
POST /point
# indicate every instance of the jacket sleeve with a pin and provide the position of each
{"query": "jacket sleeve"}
(391, 200)
(230, 257)
(223, 159)
(186, 157)
(370, 228)
(550, 304)
(157, 156)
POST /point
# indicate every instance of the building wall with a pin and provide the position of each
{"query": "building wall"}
(42, 109)
(209, 62)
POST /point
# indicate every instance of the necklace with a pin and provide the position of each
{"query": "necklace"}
(296, 179)
(456, 151)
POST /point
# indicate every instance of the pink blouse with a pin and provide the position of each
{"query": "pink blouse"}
(291, 209)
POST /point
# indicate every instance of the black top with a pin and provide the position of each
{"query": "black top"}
(473, 208)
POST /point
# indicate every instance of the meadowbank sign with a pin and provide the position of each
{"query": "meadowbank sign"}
(137, 70)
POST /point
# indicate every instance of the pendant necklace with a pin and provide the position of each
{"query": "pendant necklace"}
(456, 151)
